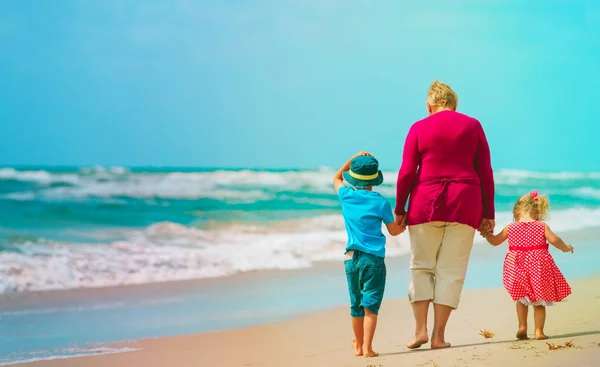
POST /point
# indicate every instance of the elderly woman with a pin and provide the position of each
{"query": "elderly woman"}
(447, 172)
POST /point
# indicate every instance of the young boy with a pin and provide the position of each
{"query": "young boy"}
(364, 211)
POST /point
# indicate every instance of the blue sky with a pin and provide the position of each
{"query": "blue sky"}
(281, 83)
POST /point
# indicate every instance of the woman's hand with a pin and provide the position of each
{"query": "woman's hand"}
(400, 220)
(487, 227)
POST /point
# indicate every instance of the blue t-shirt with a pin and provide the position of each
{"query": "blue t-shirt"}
(363, 212)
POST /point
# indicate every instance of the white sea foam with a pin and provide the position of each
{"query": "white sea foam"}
(41, 177)
(72, 353)
(224, 185)
(169, 251)
(586, 192)
(506, 176)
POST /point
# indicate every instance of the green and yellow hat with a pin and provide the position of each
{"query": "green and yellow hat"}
(364, 171)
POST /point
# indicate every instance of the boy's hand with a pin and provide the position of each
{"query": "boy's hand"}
(346, 165)
(361, 153)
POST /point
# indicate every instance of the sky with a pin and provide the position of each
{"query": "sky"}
(292, 83)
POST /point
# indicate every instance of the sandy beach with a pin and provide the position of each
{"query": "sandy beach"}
(323, 339)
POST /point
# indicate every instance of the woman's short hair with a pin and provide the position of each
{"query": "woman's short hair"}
(442, 95)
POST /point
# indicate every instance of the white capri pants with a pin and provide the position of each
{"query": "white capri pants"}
(438, 265)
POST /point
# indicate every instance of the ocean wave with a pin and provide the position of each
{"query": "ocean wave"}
(168, 251)
(586, 192)
(40, 176)
(226, 185)
(509, 176)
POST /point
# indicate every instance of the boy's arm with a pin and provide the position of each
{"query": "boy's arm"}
(338, 179)
(388, 218)
(395, 229)
(498, 239)
(557, 241)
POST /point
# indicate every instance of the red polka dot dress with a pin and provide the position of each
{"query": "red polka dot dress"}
(530, 274)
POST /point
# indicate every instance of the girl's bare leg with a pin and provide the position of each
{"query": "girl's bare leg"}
(522, 311)
(539, 316)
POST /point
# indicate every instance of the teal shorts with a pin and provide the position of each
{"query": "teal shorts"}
(366, 275)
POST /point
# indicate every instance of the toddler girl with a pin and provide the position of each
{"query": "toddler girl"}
(530, 275)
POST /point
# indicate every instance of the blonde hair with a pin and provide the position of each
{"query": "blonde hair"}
(440, 94)
(532, 203)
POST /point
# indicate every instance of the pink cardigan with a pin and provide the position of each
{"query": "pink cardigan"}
(447, 171)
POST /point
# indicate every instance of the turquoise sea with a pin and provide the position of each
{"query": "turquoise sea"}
(66, 228)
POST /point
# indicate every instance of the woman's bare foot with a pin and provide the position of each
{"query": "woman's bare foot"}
(539, 335)
(439, 344)
(357, 348)
(370, 353)
(522, 334)
(420, 339)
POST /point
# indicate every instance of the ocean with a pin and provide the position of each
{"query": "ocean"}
(66, 228)
(266, 245)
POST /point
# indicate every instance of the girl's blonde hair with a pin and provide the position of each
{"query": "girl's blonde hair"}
(534, 204)
(442, 95)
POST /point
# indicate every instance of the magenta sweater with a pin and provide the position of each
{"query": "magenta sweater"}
(447, 171)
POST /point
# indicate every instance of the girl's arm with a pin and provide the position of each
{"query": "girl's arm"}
(497, 239)
(557, 241)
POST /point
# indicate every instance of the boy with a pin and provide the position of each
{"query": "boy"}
(364, 211)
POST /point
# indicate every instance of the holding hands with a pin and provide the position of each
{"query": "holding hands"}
(400, 221)
(487, 227)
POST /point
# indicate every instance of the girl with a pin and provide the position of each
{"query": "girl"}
(530, 275)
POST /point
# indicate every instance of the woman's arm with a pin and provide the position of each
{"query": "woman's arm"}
(406, 176)
(497, 239)
(483, 166)
(557, 241)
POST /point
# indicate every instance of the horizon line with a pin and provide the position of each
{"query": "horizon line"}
(232, 168)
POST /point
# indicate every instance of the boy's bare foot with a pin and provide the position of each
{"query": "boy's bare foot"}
(370, 353)
(357, 349)
(522, 334)
(539, 335)
(419, 340)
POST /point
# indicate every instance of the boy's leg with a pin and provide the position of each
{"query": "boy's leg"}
(356, 312)
(522, 311)
(358, 329)
(539, 317)
(372, 277)
(369, 328)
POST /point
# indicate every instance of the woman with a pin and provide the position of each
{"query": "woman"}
(447, 172)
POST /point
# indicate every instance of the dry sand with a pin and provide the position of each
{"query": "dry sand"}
(324, 339)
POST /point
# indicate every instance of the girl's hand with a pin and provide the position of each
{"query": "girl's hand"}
(570, 249)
